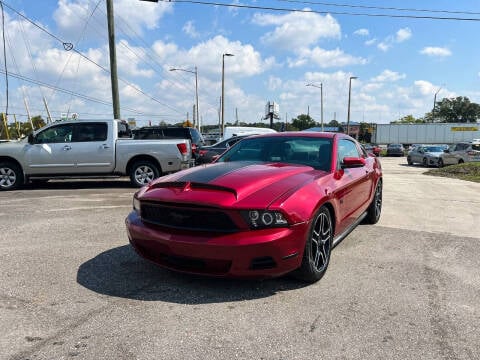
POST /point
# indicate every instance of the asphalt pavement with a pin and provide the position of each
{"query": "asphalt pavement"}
(406, 288)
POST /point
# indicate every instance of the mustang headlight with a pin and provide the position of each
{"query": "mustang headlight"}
(260, 219)
(136, 205)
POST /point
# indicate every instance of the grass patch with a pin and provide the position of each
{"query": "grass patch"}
(466, 171)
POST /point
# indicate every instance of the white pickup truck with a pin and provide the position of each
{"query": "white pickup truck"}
(89, 148)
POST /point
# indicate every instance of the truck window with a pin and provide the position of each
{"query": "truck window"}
(90, 132)
(55, 134)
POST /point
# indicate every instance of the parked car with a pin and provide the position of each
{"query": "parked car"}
(80, 148)
(395, 150)
(372, 148)
(427, 155)
(462, 152)
(206, 153)
(270, 205)
(172, 132)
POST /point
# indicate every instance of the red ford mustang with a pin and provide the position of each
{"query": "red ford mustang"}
(272, 204)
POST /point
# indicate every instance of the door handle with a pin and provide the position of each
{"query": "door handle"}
(67, 147)
(105, 146)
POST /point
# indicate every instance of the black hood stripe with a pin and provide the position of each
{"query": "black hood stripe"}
(212, 172)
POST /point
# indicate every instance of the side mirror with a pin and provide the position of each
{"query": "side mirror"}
(31, 139)
(353, 162)
(446, 151)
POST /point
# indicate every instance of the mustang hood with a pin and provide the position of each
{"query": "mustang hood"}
(241, 184)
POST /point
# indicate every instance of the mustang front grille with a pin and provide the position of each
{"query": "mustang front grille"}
(187, 218)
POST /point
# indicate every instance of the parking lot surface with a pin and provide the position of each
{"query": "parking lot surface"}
(406, 288)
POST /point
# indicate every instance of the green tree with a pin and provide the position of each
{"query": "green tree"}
(302, 122)
(38, 122)
(458, 109)
(409, 119)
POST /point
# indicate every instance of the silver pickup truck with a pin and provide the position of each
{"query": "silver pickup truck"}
(89, 148)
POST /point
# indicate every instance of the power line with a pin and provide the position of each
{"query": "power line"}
(69, 47)
(66, 91)
(271, 8)
(380, 7)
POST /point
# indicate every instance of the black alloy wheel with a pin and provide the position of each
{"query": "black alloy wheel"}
(375, 209)
(318, 247)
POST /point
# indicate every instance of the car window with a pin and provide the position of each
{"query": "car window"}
(433, 149)
(476, 147)
(55, 134)
(310, 151)
(347, 148)
(90, 132)
(196, 137)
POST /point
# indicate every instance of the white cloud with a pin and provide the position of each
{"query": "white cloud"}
(326, 58)
(400, 36)
(372, 87)
(72, 15)
(296, 30)
(388, 76)
(403, 35)
(189, 29)
(129, 60)
(362, 32)
(436, 51)
(425, 87)
(370, 42)
(384, 46)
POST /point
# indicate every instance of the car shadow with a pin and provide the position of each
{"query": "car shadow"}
(122, 273)
(119, 183)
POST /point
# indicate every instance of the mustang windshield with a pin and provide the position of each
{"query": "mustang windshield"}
(310, 151)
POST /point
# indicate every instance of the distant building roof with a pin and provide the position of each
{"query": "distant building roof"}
(325, 128)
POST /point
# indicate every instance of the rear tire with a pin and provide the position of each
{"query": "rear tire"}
(409, 160)
(142, 172)
(318, 246)
(11, 176)
(424, 162)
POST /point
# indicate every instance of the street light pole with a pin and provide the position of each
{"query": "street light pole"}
(349, 96)
(223, 93)
(197, 123)
(321, 102)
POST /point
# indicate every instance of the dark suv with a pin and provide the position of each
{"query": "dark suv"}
(175, 132)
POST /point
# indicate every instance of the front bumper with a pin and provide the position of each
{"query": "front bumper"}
(256, 253)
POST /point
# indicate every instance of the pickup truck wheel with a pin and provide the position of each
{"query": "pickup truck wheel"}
(11, 176)
(143, 172)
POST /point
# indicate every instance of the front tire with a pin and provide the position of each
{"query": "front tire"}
(440, 163)
(424, 162)
(318, 246)
(143, 172)
(11, 176)
(375, 209)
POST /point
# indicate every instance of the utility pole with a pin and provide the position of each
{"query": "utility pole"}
(113, 60)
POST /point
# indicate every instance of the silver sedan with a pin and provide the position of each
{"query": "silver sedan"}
(427, 155)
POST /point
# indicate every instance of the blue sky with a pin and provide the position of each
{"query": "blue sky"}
(400, 62)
